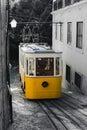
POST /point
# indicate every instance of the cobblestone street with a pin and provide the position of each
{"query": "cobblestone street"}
(28, 115)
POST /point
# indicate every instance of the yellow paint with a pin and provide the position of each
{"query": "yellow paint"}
(35, 90)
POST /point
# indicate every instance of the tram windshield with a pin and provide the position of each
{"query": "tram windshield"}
(44, 66)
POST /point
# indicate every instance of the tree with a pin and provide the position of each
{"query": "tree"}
(33, 10)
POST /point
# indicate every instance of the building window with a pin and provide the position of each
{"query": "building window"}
(60, 4)
(78, 80)
(69, 33)
(61, 32)
(56, 31)
(74, 1)
(68, 72)
(67, 2)
(54, 5)
(79, 37)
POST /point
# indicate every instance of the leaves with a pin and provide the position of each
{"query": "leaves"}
(33, 10)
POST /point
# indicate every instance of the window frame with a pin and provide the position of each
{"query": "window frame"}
(69, 33)
(55, 5)
(46, 70)
(59, 67)
(31, 70)
(60, 4)
(79, 35)
(56, 31)
(61, 32)
(26, 66)
(76, 81)
(22, 59)
(27, 70)
(67, 2)
(68, 73)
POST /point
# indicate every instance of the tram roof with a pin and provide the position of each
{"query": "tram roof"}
(36, 48)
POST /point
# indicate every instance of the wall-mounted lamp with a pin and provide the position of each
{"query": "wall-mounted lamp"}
(13, 23)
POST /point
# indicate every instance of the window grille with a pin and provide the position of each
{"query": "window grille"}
(78, 80)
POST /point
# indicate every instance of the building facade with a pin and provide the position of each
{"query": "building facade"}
(70, 37)
(5, 97)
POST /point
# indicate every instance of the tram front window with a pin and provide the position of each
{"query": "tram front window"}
(44, 66)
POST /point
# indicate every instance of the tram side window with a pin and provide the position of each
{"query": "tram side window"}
(44, 66)
(27, 66)
(31, 66)
(57, 66)
(22, 60)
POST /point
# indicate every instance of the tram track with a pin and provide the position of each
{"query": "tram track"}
(72, 100)
(75, 120)
(51, 121)
(74, 107)
(56, 121)
(75, 103)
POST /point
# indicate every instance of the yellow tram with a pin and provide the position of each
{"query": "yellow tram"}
(40, 71)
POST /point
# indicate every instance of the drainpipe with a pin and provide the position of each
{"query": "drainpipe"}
(7, 63)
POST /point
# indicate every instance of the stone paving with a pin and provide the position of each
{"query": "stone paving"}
(27, 115)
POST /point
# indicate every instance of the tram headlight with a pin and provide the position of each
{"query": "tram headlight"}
(45, 84)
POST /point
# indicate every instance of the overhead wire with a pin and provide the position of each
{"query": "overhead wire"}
(44, 12)
(45, 9)
(22, 16)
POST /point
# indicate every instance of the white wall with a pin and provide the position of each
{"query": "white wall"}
(74, 57)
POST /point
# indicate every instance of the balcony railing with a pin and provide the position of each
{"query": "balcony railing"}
(57, 4)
